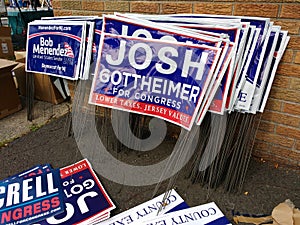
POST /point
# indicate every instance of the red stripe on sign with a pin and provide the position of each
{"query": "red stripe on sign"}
(72, 169)
(55, 33)
(142, 108)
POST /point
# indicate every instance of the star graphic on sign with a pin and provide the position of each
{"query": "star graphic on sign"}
(106, 89)
(187, 108)
(81, 177)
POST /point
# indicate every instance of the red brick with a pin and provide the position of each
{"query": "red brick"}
(260, 153)
(294, 42)
(294, 83)
(141, 7)
(116, 6)
(92, 5)
(281, 81)
(56, 4)
(284, 94)
(261, 146)
(285, 152)
(213, 8)
(281, 118)
(290, 132)
(275, 139)
(62, 12)
(290, 11)
(297, 57)
(291, 1)
(83, 13)
(277, 160)
(293, 26)
(220, 1)
(282, 161)
(287, 56)
(258, 1)
(172, 7)
(71, 5)
(265, 10)
(288, 69)
(100, 13)
(294, 155)
(275, 153)
(274, 104)
(266, 126)
(297, 145)
(261, 149)
(291, 108)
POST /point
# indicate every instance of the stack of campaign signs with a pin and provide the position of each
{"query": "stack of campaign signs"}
(174, 67)
(74, 195)
(43, 196)
(169, 209)
(63, 47)
(31, 196)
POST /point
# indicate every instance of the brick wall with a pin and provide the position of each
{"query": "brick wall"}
(278, 137)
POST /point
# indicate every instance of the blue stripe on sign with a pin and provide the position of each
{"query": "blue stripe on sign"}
(181, 206)
(221, 221)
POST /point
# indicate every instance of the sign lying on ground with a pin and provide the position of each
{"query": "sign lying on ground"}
(31, 197)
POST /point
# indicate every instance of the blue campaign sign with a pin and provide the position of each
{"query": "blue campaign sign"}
(146, 29)
(220, 97)
(153, 77)
(280, 47)
(96, 34)
(96, 43)
(84, 196)
(55, 48)
(208, 214)
(266, 58)
(28, 200)
(258, 22)
(231, 30)
(266, 66)
(162, 204)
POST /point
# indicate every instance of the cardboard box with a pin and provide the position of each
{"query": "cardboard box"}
(20, 75)
(9, 100)
(20, 56)
(6, 46)
(44, 89)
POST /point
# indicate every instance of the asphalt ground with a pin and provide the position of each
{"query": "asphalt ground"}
(265, 185)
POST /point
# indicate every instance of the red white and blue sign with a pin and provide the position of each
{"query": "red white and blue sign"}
(29, 198)
(208, 214)
(55, 49)
(160, 205)
(84, 196)
(163, 79)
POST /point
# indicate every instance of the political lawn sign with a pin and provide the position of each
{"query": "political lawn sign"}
(55, 49)
(153, 77)
(164, 203)
(208, 214)
(85, 198)
(30, 198)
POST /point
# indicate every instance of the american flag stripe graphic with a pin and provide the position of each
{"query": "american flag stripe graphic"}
(69, 50)
(94, 48)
